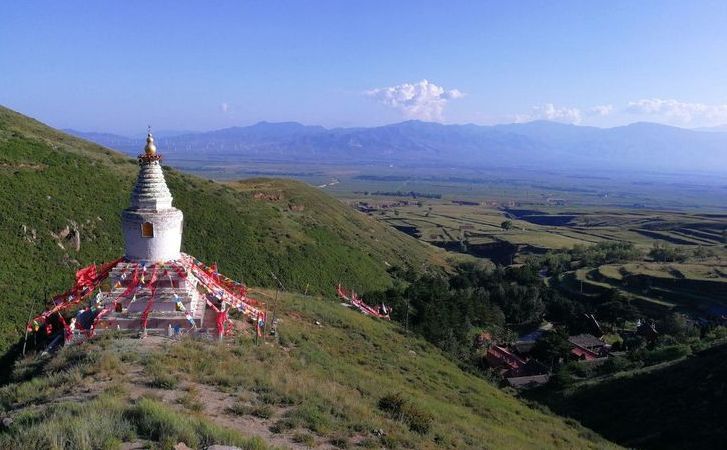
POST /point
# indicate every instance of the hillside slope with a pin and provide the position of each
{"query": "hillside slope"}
(662, 408)
(320, 384)
(60, 204)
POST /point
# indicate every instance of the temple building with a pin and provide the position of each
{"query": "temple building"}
(154, 286)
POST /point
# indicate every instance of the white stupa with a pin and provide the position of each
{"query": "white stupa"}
(154, 286)
(152, 226)
(152, 230)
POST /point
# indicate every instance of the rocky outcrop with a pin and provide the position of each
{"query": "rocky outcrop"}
(69, 237)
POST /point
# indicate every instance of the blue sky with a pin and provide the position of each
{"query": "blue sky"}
(119, 65)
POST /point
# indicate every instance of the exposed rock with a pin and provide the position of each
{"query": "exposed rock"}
(7, 422)
(181, 446)
(297, 208)
(69, 235)
(267, 196)
(29, 234)
(64, 232)
(222, 447)
(75, 239)
(70, 262)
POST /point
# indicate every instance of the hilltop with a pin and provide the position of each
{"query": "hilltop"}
(331, 378)
(61, 198)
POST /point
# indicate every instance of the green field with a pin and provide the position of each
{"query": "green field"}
(692, 286)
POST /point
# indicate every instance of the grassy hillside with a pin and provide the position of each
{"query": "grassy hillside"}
(50, 181)
(659, 408)
(333, 379)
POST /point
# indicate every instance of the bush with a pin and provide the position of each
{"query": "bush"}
(615, 364)
(304, 438)
(339, 441)
(164, 381)
(668, 353)
(262, 411)
(240, 409)
(398, 408)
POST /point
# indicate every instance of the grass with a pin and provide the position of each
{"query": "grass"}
(329, 381)
(323, 384)
(49, 180)
(157, 422)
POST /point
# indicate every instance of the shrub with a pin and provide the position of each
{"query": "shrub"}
(164, 381)
(304, 438)
(668, 353)
(190, 401)
(400, 409)
(615, 364)
(262, 411)
(240, 409)
(339, 441)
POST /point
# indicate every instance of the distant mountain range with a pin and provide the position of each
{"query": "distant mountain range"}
(639, 146)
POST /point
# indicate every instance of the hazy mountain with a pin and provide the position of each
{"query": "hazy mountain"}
(644, 146)
(718, 128)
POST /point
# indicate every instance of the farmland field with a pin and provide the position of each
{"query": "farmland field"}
(462, 210)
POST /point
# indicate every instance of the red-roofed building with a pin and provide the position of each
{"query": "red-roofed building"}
(501, 358)
(582, 353)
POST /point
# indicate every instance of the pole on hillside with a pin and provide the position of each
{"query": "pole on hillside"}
(275, 308)
(406, 328)
(30, 316)
(275, 302)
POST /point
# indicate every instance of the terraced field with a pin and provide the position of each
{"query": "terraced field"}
(443, 222)
(694, 288)
(697, 285)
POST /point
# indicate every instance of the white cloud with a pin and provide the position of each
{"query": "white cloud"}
(224, 107)
(600, 110)
(549, 111)
(674, 110)
(563, 114)
(422, 100)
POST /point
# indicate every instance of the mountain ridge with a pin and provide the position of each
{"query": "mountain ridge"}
(641, 146)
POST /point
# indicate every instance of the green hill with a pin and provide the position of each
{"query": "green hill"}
(673, 406)
(50, 181)
(333, 378)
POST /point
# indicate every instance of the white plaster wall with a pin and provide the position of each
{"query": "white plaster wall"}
(167, 240)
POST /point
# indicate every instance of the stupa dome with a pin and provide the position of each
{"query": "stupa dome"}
(150, 149)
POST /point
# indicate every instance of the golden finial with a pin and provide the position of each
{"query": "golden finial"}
(150, 148)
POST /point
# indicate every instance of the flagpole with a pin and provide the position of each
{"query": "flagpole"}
(30, 316)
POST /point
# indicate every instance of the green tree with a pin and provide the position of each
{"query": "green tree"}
(552, 348)
(506, 225)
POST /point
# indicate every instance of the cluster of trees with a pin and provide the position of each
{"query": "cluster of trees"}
(608, 252)
(613, 252)
(449, 310)
(663, 252)
(411, 194)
